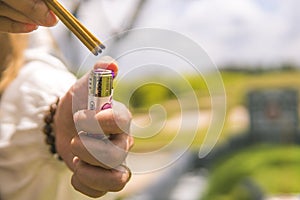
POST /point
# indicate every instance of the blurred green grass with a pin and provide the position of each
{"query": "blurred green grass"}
(273, 169)
(236, 83)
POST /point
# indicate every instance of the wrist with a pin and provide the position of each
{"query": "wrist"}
(48, 128)
(65, 128)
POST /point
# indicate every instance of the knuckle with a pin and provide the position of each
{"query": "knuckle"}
(117, 156)
(78, 173)
(75, 184)
(112, 159)
(75, 145)
(123, 121)
(130, 142)
(39, 8)
(125, 117)
(118, 181)
(13, 27)
(16, 27)
(88, 192)
(32, 7)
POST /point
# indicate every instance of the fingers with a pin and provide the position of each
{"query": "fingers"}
(97, 149)
(79, 89)
(97, 181)
(9, 12)
(109, 63)
(80, 94)
(102, 144)
(109, 121)
(64, 129)
(8, 25)
(86, 120)
(13, 21)
(107, 153)
(85, 189)
(121, 116)
(36, 10)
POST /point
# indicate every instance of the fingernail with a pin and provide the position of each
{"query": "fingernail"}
(75, 161)
(107, 62)
(31, 27)
(106, 106)
(126, 172)
(51, 18)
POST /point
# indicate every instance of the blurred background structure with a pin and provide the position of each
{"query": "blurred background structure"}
(255, 46)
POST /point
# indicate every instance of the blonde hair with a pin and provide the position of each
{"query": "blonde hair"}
(11, 57)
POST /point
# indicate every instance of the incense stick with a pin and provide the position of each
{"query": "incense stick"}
(84, 35)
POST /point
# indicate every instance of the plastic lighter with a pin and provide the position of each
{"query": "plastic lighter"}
(100, 89)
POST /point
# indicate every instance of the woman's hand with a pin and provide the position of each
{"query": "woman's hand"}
(93, 145)
(22, 16)
(100, 150)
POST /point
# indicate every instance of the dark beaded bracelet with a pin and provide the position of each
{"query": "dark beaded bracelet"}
(48, 129)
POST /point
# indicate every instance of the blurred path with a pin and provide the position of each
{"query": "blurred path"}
(176, 179)
(170, 183)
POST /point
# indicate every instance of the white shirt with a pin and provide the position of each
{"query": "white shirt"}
(27, 168)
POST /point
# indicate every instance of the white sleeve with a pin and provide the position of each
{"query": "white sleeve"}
(27, 168)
